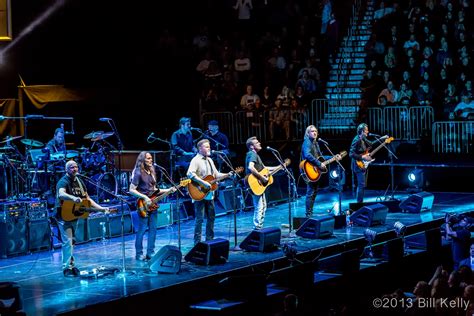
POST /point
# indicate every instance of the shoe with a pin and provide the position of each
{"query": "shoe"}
(76, 271)
(257, 227)
(69, 273)
(140, 257)
(149, 256)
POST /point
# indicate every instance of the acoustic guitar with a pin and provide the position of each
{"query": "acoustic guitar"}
(257, 187)
(143, 210)
(362, 164)
(311, 173)
(71, 210)
(198, 192)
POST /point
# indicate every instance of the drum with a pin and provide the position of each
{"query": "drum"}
(93, 161)
(106, 181)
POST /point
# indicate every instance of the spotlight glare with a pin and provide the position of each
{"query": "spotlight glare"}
(334, 174)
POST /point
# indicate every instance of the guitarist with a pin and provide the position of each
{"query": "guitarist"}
(70, 188)
(359, 152)
(143, 185)
(201, 166)
(254, 165)
(310, 151)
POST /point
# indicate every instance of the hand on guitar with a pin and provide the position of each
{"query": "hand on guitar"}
(338, 157)
(147, 200)
(367, 157)
(323, 168)
(77, 199)
(264, 179)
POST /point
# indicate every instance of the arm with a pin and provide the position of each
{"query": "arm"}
(254, 171)
(62, 195)
(192, 174)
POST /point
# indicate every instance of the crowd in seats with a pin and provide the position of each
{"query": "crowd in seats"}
(425, 58)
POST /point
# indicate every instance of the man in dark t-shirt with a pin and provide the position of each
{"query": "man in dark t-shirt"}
(70, 188)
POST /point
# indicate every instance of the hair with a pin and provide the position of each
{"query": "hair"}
(361, 128)
(202, 141)
(184, 120)
(306, 133)
(58, 130)
(140, 163)
(249, 141)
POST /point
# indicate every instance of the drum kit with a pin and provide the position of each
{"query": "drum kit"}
(37, 172)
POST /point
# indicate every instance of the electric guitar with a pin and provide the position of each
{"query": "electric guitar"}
(363, 164)
(198, 192)
(311, 173)
(71, 210)
(257, 187)
(155, 197)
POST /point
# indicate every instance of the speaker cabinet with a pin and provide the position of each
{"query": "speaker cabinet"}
(318, 227)
(210, 252)
(167, 260)
(262, 240)
(370, 215)
(13, 237)
(228, 200)
(115, 224)
(418, 202)
(39, 235)
(97, 226)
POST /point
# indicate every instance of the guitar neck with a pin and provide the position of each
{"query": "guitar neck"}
(276, 170)
(377, 149)
(327, 162)
(162, 196)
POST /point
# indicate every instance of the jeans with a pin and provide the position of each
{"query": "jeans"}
(311, 192)
(149, 222)
(360, 176)
(67, 231)
(204, 208)
(260, 206)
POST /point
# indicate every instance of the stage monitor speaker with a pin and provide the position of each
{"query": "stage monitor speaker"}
(262, 240)
(418, 202)
(167, 260)
(370, 215)
(210, 252)
(317, 227)
(244, 287)
(39, 235)
(13, 237)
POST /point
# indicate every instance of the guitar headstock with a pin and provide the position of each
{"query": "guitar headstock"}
(184, 182)
(342, 154)
(287, 161)
(389, 140)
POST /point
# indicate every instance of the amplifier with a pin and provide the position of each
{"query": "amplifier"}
(10, 210)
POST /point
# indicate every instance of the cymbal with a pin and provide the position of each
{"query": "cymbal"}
(102, 136)
(93, 134)
(32, 143)
(72, 154)
(9, 139)
(82, 148)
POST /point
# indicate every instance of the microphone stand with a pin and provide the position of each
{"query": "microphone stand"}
(339, 184)
(168, 177)
(153, 139)
(291, 233)
(226, 160)
(123, 274)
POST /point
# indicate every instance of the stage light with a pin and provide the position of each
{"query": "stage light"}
(400, 229)
(415, 178)
(370, 235)
(334, 174)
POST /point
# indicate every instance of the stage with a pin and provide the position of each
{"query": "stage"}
(45, 291)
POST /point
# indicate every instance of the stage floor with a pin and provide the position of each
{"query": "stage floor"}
(45, 291)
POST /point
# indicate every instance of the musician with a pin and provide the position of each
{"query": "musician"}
(56, 144)
(201, 166)
(310, 152)
(71, 188)
(143, 185)
(183, 144)
(359, 152)
(217, 139)
(254, 165)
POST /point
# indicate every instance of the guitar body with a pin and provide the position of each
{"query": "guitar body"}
(255, 185)
(143, 209)
(198, 192)
(71, 211)
(310, 171)
(362, 164)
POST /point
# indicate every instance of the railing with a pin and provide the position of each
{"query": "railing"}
(453, 137)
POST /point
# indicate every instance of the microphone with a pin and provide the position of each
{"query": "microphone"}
(35, 116)
(270, 148)
(149, 140)
(158, 166)
(195, 129)
(105, 119)
(218, 152)
(68, 133)
(323, 141)
(374, 135)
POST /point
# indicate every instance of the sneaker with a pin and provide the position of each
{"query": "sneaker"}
(140, 257)
(69, 273)
(76, 271)
(149, 256)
